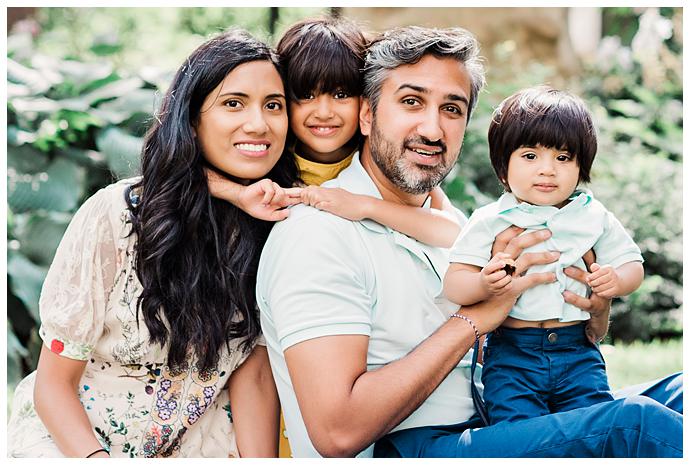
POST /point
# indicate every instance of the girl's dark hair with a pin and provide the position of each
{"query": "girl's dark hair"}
(196, 256)
(322, 55)
(542, 116)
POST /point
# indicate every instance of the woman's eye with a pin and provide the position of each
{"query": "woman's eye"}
(274, 105)
(233, 103)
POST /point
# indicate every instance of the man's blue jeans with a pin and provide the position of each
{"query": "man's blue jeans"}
(646, 422)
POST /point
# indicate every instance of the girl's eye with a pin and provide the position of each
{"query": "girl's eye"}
(307, 97)
(232, 103)
(529, 156)
(564, 157)
(340, 94)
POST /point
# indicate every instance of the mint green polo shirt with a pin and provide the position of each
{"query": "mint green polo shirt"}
(583, 224)
(322, 275)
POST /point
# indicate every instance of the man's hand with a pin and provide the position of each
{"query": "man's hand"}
(597, 306)
(510, 244)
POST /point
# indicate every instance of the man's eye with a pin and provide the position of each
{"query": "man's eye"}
(453, 109)
(410, 101)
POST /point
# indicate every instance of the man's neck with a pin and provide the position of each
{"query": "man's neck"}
(387, 189)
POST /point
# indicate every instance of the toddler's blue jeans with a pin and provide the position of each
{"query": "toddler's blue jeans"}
(531, 372)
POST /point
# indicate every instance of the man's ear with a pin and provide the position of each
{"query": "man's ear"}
(364, 116)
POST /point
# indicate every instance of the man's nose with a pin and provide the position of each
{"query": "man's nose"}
(430, 126)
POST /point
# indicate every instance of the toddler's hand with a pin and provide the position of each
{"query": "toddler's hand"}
(604, 281)
(495, 278)
(337, 201)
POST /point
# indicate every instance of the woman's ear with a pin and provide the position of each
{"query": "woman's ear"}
(365, 115)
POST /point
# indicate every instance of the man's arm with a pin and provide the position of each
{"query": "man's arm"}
(346, 408)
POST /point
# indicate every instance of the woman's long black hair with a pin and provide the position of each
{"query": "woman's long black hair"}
(197, 256)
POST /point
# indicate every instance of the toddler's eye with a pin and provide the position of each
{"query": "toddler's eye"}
(529, 156)
(564, 157)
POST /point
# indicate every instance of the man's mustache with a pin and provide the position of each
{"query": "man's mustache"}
(423, 140)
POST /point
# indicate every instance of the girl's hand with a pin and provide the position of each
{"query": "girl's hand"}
(266, 200)
(494, 276)
(604, 281)
(337, 201)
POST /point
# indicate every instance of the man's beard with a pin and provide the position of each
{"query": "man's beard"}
(406, 175)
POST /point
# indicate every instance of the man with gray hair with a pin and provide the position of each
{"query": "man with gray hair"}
(360, 339)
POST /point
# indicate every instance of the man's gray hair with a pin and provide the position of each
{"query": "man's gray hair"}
(407, 45)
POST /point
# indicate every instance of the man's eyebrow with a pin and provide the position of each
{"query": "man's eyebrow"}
(457, 98)
(420, 89)
(424, 90)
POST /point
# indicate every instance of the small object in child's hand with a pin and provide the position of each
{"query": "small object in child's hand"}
(510, 267)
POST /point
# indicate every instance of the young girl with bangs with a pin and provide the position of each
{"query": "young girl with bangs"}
(322, 60)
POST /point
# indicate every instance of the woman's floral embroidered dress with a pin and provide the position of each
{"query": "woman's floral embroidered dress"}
(138, 406)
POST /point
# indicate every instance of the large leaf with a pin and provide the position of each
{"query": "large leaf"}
(113, 90)
(27, 280)
(58, 188)
(26, 159)
(15, 353)
(38, 82)
(40, 235)
(121, 150)
(122, 108)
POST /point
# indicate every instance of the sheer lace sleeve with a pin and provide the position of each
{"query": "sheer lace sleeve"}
(75, 291)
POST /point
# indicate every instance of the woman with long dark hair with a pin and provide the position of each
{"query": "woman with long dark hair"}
(148, 312)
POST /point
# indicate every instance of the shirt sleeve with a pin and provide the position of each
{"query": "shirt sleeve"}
(312, 281)
(76, 288)
(473, 245)
(615, 246)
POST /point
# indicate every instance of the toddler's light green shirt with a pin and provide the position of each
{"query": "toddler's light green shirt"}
(582, 224)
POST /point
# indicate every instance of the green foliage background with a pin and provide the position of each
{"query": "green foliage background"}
(81, 93)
